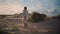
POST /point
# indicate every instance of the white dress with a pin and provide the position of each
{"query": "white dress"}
(25, 15)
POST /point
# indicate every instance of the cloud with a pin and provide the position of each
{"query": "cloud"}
(37, 4)
(50, 10)
(16, 6)
(34, 5)
(10, 9)
(53, 11)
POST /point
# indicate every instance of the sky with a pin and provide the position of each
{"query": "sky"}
(48, 7)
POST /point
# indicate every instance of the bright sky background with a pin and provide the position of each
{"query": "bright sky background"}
(49, 7)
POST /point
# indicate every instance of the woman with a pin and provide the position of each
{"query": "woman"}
(25, 16)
